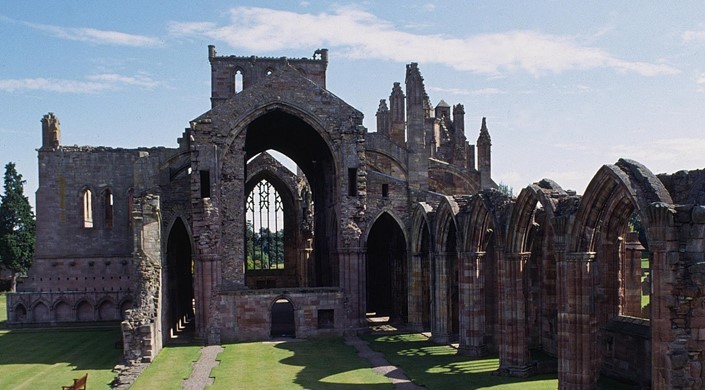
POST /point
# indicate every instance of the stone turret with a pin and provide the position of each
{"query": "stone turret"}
(383, 123)
(443, 111)
(51, 133)
(484, 157)
(398, 116)
(416, 109)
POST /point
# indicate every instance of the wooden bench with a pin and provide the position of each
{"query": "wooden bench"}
(78, 384)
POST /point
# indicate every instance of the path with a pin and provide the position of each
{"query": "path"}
(200, 377)
(381, 365)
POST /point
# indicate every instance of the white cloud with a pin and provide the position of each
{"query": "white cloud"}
(92, 84)
(700, 81)
(468, 92)
(93, 35)
(692, 35)
(355, 33)
(112, 78)
(664, 155)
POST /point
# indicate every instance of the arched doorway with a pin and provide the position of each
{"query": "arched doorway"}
(283, 323)
(387, 270)
(179, 275)
(293, 137)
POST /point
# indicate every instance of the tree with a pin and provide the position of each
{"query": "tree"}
(17, 226)
(505, 189)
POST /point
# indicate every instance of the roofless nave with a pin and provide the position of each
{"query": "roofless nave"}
(405, 222)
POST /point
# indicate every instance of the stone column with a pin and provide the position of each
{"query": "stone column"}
(472, 305)
(440, 326)
(141, 329)
(577, 324)
(353, 282)
(513, 351)
(415, 293)
(631, 276)
(665, 256)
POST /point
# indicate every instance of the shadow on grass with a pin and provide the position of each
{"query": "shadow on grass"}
(330, 364)
(441, 367)
(84, 349)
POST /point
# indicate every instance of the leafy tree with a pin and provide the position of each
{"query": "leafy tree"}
(17, 226)
(506, 189)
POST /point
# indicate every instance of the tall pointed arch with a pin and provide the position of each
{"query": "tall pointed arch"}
(593, 273)
(387, 269)
(421, 260)
(445, 325)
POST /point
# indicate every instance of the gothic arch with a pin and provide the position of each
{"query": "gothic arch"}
(421, 258)
(85, 311)
(178, 278)
(244, 121)
(594, 267)
(523, 215)
(392, 214)
(267, 168)
(615, 191)
(106, 309)
(386, 268)
(483, 238)
(530, 239)
(445, 216)
(445, 325)
(421, 217)
(40, 311)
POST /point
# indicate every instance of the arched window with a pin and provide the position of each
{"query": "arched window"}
(87, 208)
(108, 208)
(265, 228)
(238, 81)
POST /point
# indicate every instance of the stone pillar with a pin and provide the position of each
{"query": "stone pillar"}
(353, 281)
(472, 305)
(577, 324)
(207, 275)
(665, 256)
(514, 356)
(415, 293)
(141, 330)
(440, 326)
(631, 276)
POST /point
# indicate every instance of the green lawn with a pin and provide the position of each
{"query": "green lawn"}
(440, 367)
(169, 369)
(51, 358)
(311, 364)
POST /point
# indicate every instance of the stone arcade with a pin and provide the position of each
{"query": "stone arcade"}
(405, 222)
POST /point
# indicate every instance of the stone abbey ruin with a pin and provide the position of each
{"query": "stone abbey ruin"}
(404, 222)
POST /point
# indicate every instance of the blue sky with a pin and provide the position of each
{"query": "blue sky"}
(566, 86)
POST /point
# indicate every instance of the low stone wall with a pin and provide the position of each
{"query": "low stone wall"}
(59, 307)
(246, 315)
(626, 350)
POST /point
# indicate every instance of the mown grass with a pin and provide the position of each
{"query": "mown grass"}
(51, 358)
(169, 369)
(310, 364)
(441, 367)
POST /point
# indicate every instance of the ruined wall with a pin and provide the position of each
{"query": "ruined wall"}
(246, 314)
